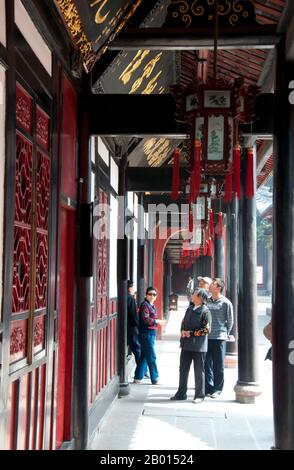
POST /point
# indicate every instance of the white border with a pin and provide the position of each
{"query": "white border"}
(32, 36)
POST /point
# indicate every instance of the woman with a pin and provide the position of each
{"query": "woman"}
(194, 330)
(147, 333)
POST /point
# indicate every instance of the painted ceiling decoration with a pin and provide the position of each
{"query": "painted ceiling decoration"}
(200, 13)
(93, 24)
(142, 71)
(152, 152)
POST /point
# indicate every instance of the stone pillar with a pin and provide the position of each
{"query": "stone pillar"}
(141, 252)
(122, 278)
(247, 387)
(219, 257)
(283, 256)
(233, 266)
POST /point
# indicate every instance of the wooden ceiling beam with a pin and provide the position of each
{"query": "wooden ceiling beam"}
(259, 37)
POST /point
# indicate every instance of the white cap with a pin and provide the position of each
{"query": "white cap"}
(205, 279)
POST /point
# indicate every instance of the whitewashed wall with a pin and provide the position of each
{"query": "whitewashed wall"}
(2, 172)
(2, 23)
(32, 36)
(114, 175)
(103, 151)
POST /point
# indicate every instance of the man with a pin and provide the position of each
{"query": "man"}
(221, 310)
(204, 282)
(133, 324)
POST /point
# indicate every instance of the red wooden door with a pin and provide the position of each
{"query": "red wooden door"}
(27, 376)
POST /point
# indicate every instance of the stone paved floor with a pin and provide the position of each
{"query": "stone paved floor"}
(212, 424)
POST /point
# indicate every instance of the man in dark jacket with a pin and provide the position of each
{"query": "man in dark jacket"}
(133, 324)
(194, 330)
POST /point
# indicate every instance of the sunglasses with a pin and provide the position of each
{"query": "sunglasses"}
(152, 293)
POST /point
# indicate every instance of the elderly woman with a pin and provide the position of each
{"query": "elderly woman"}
(194, 330)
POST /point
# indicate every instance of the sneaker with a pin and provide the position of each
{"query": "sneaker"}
(197, 400)
(215, 395)
(137, 381)
(176, 397)
(155, 382)
(146, 376)
(208, 395)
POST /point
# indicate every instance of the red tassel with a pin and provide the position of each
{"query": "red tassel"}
(236, 165)
(190, 220)
(192, 195)
(176, 175)
(205, 248)
(249, 189)
(196, 172)
(228, 187)
(220, 225)
(211, 226)
(210, 247)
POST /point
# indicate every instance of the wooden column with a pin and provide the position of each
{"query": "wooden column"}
(283, 257)
(141, 252)
(233, 266)
(247, 387)
(84, 259)
(122, 278)
(219, 257)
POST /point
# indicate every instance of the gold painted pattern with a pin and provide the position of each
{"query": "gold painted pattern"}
(156, 150)
(181, 10)
(99, 17)
(74, 25)
(136, 62)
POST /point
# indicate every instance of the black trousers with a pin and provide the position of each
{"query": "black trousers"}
(198, 359)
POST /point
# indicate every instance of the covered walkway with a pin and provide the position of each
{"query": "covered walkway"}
(147, 420)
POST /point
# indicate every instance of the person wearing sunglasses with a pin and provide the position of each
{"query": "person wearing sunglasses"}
(148, 323)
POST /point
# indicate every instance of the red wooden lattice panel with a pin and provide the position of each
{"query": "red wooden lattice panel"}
(24, 107)
(43, 190)
(27, 395)
(42, 128)
(41, 270)
(21, 270)
(102, 261)
(23, 180)
(39, 333)
(18, 340)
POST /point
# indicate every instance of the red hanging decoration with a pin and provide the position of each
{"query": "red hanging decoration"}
(205, 248)
(196, 172)
(211, 226)
(192, 195)
(220, 225)
(190, 220)
(236, 166)
(176, 175)
(249, 189)
(228, 187)
(210, 247)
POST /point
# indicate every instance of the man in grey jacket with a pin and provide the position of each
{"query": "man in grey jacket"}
(221, 310)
